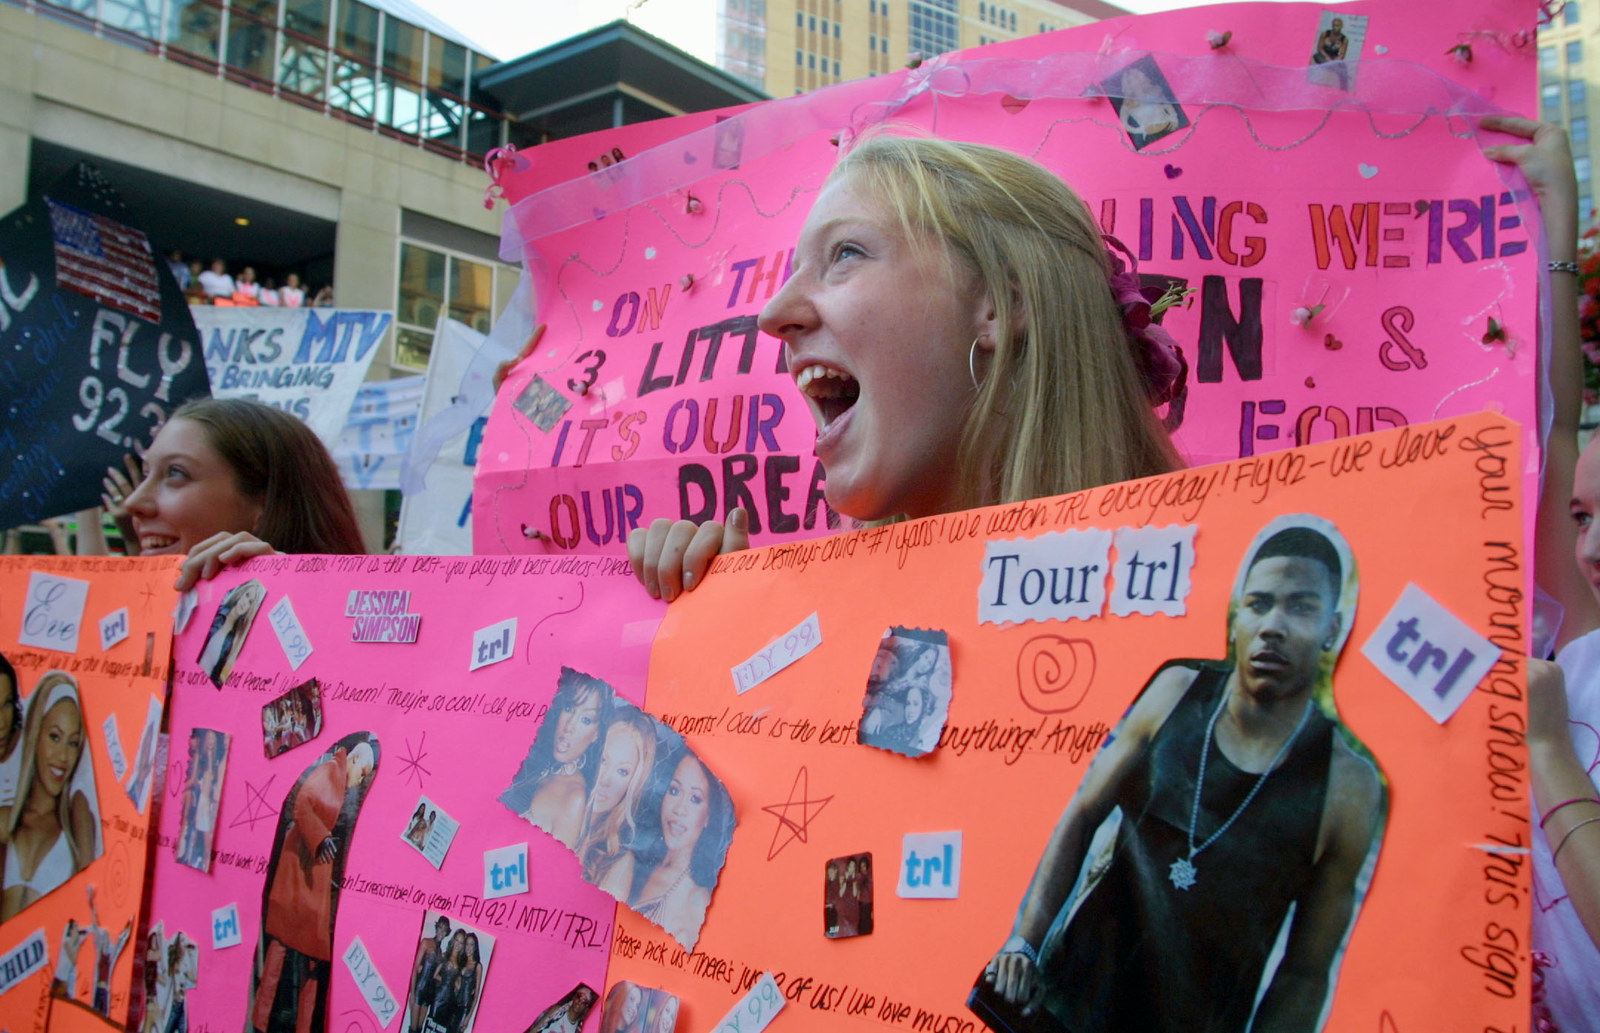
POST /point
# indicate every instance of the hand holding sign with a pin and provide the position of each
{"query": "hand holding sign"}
(671, 557)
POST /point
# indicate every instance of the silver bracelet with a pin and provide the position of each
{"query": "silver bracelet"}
(1557, 851)
(1562, 267)
(1017, 945)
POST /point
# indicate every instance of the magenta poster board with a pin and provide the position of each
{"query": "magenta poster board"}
(1353, 190)
(443, 721)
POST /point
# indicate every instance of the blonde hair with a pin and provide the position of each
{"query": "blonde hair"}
(39, 703)
(1062, 406)
(601, 845)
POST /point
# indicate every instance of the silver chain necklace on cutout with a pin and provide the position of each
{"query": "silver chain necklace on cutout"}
(1183, 872)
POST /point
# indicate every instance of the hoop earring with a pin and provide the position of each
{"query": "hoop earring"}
(972, 367)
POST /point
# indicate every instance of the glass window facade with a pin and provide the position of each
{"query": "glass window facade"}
(1575, 52)
(933, 27)
(140, 18)
(432, 283)
(345, 58)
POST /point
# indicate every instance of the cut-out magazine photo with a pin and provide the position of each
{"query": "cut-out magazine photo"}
(648, 820)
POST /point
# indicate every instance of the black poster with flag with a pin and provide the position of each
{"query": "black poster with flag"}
(96, 346)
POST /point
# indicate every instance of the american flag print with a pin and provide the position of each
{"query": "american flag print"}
(106, 260)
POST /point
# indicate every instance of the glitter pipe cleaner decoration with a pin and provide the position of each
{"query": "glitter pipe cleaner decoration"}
(1328, 299)
(497, 163)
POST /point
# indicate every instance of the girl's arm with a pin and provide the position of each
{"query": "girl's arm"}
(1546, 162)
(1558, 778)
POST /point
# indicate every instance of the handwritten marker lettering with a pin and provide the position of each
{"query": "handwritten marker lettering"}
(780, 653)
(752, 1014)
(291, 636)
(52, 612)
(373, 989)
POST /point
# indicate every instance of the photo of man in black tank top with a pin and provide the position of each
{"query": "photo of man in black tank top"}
(1208, 870)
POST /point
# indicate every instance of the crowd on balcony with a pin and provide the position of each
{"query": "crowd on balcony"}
(215, 285)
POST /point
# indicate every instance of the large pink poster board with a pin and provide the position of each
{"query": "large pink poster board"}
(444, 738)
(1355, 191)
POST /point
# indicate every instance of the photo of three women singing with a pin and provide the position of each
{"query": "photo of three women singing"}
(648, 820)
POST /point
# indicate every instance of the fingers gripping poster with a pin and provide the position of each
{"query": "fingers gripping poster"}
(84, 650)
(1219, 747)
(1354, 263)
(331, 846)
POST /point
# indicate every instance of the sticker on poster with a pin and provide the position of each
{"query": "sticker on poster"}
(847, 897)
(568, 1014)
(1050, 577)
(119, 760)
(1293, 598)
(758, 1007)
(436, 1008)
(930, 866)
(908, 692)
(316, 825)
(53, 612)
(1431, 654)
(430, 831)
(22, 961)
(1336, 52)
(380, 615)
(293, 719)
(202, 797)
(55, 713)
(1145, 104)
(374, 991)
(145, 761)
(291, 635)
(494, 644)
(225, 931)
(647, 779)
(630, 1006)
(778, 654)
(113, 628)
(505, 871)
(229, 629)
(542, 404)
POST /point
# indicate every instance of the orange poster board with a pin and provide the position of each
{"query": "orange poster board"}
(87, 644)
(1440, 934)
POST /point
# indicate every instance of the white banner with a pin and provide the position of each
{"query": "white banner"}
(378, 432)
(306, 361)
(437, 521)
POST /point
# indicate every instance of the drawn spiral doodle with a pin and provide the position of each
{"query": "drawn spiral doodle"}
(117, 876)
(1055, 673)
